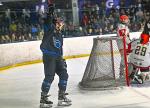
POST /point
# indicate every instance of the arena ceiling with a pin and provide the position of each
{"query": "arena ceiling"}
(13, 0)
(15, 3)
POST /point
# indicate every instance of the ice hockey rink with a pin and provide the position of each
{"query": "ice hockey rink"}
(20, 88)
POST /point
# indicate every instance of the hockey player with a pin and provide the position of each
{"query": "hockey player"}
(139, 59)
(53, 61)
(123, 32)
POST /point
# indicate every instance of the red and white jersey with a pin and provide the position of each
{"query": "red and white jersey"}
(140, 55)
(123, 31)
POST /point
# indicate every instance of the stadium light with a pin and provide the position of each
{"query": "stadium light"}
(43, 1)
(1, 3)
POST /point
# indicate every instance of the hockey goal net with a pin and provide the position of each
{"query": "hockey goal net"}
(103, 67)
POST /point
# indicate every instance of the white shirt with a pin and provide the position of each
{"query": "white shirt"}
(140, 55)
(123, 31)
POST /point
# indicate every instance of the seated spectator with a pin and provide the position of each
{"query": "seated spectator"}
(139, 16)
(90, 30)
(111, 29)
(71, 28)
(19, 32)
(135, 27)
(4, 35)
(34, 32)
(105, 30)
(13, 29)
(13, 37)
(40, 35)
(100, 31)
(26, 31)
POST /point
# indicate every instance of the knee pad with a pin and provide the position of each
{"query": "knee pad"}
(63, 64)
(63, 76)
(45, 86)
(62, 71)
(47, 83)
(49, 79)
(146, 73)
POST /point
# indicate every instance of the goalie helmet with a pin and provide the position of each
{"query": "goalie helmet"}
(144, 38)
(124, 19)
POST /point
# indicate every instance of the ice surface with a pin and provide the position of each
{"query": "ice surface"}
(20, 88)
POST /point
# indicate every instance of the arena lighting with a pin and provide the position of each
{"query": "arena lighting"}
(1, 3)
(43, 1)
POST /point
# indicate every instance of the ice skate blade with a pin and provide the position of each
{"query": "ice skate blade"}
(63, 104)
(42, 105)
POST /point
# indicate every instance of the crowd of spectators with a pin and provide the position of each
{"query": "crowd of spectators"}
(97, 20)
(19, 26)
(94, 20)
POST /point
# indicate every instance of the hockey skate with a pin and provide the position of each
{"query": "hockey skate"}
(147, 77)
(138, 78)
(45, 102)
(63, 100)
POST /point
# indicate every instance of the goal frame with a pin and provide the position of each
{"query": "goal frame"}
(112, 59)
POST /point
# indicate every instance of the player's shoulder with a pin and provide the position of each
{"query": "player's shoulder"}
(148, 44)
(137, 41)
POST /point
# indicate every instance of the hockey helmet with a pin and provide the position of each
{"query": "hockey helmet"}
(144, 38)
(124, 19)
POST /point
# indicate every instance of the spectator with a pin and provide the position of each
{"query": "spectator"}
(92, 22)
(19, 33)
(71, 29)
(34, 32)
(13, 29)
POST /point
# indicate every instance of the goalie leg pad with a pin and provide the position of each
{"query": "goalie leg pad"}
(146, 73)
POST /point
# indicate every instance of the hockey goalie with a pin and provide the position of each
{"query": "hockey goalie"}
(139, 59)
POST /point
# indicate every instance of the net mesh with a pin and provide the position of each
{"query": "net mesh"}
(103, 67)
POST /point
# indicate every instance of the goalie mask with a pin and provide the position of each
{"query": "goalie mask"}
(144, 38)
(124, 19)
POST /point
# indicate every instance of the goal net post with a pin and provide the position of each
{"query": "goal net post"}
(103, 67)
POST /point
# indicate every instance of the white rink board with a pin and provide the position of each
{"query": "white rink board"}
(28, 51)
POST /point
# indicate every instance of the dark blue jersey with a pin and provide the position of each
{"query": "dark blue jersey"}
(52, 41)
